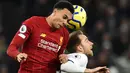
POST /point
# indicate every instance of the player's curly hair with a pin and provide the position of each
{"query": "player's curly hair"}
(64, 4)
(74, 40)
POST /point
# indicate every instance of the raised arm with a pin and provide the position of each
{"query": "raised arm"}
(20, 37)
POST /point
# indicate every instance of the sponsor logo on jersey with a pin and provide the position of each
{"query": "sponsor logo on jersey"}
(77, 56)
(22, 31)
(61, 40)
(43, 35)
(45, 44)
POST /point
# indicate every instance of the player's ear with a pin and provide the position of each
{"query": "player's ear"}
(79, 48)
(54, 11)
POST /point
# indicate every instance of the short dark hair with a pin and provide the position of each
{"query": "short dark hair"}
(64, 4)
(74, 40)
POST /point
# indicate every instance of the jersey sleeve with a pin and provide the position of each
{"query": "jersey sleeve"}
(72, 66)
(76, 63)
(80, 59)
(20, 37)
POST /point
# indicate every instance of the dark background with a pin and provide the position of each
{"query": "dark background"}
(108, 26)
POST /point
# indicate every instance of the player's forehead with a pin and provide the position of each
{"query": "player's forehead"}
(68, 13)
(83, 37)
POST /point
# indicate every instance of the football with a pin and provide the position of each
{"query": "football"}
(78, 19)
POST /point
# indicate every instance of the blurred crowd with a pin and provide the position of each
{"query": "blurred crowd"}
(108, 26)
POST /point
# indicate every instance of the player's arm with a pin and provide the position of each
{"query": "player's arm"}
(20, 37)
(95, 70)
(73, 66)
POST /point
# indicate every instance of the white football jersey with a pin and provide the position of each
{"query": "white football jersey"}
(78, 60)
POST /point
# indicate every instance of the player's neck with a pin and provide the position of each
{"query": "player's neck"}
(48, 21)
(79, 52)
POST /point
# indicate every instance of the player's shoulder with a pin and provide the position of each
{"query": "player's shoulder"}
(30, 20)
(77, 56)
(36, 18)
(33, 20)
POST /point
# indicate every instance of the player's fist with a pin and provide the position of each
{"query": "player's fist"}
(63, 58)
(21, 56)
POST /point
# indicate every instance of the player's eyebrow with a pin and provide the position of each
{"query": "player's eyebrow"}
(86, 39)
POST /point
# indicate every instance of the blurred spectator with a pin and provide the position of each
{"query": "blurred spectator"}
(106, 42)
(124, 30)
(97, 35)
(1, 28)
(105, 52)
(114, 69)
(98, 31)
(123, 62)
(3, 65)
(92, 62)
(3, 60)
(101, 6)
(121, 42)
(123, 7)
(3, 68)
(110, 19)
(103, 58)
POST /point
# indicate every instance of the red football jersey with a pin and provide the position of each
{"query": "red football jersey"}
(40, 43)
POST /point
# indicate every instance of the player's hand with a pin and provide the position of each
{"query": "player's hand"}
(105, 70)
(63, 58)
(21, 57)
(101, 69)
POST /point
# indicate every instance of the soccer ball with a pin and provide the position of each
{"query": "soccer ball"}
(78, 19)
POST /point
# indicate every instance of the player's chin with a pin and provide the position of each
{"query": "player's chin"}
(54, 28)
(90, 54)
(57, 26)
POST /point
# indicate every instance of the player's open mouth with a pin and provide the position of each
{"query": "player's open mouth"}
(91, 48)
(60, 25)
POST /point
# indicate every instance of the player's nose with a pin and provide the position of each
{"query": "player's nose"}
(91, 42)
(65, 22)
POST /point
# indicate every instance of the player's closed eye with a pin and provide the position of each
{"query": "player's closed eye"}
(86, 40)
(65, 17)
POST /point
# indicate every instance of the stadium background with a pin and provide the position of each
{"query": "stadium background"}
(108, 26)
